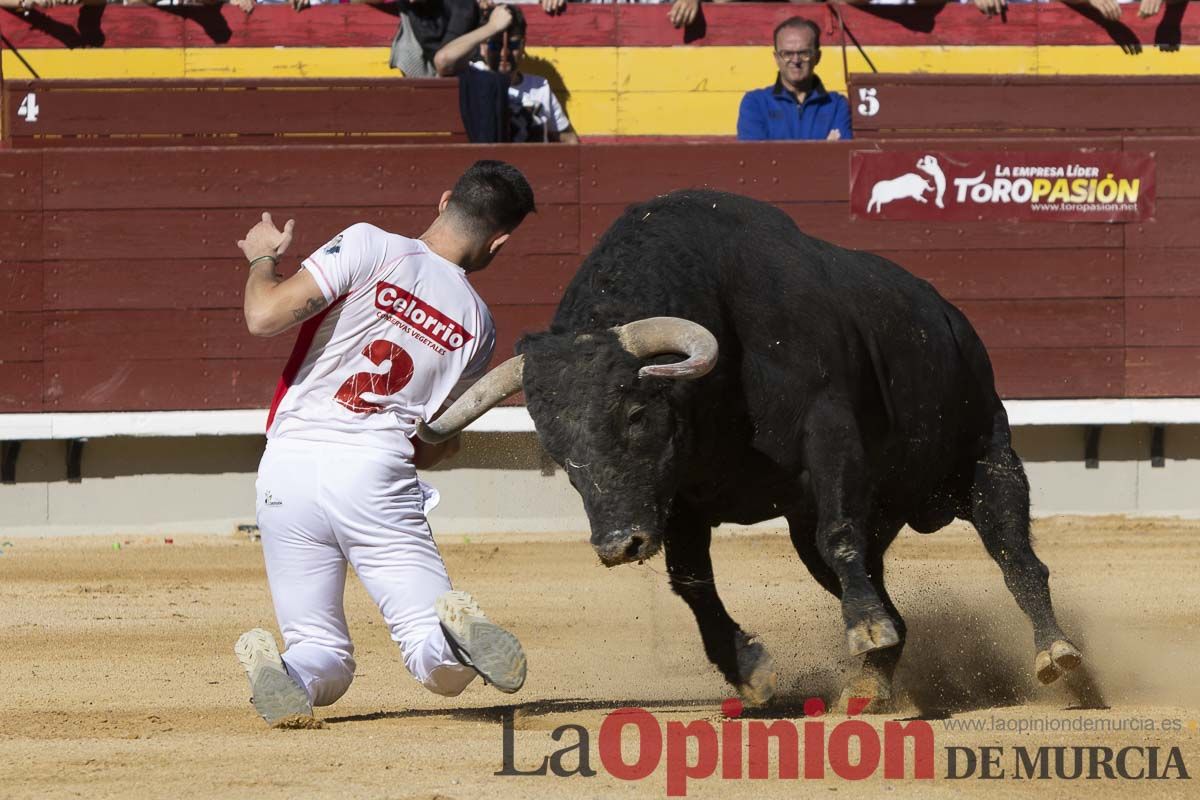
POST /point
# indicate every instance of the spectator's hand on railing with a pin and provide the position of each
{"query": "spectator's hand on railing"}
(245, 5)
(1149, 8)
(300, 5)
(1109, 9)
(834, 135)
(990, 7)
(553, 6)
(683, 12)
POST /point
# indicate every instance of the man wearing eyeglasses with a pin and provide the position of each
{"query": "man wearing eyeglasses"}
(797, 106)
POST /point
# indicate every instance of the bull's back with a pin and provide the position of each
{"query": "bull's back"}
(819, 314)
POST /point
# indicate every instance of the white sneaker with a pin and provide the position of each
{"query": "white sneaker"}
(275, 693)
(481, 644)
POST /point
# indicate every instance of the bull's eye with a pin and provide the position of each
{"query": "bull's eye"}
(636, 413)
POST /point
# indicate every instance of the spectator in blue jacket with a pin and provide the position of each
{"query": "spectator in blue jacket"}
(797, 106)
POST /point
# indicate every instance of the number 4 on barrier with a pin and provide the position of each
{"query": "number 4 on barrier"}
(28, 110)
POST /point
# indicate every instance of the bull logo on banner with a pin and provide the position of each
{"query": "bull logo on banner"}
(911, 186)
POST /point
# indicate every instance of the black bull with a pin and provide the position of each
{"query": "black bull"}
(824, 385)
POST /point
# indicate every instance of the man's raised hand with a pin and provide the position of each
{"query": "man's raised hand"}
(264, 239)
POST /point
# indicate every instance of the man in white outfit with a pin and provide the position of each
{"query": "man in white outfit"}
(392, 330)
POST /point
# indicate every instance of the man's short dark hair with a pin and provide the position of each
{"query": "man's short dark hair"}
(800, 23)
(491, 197)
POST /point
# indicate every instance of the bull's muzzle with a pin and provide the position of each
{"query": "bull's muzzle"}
(626, 545)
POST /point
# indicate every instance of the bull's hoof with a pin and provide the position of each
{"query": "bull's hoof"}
(871, 634)
(1043, 667)
(1065, 655)
(756, 670)
(871, 687)
(1051, 664)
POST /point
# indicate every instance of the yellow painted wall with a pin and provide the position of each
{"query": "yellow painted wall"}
(628, 90)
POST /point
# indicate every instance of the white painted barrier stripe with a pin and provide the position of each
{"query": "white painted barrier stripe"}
(515, 419)
(1140, 411)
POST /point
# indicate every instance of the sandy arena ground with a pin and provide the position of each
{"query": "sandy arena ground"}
(118, 678)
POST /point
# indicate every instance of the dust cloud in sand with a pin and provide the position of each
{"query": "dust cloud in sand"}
(119, 677)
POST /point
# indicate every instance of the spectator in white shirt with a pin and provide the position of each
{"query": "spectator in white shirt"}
(536, 115)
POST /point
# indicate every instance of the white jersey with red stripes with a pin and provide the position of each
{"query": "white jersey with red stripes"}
(403, 332)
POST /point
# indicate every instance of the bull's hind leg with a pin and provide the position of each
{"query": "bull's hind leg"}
(1000, 513)
(745, 663)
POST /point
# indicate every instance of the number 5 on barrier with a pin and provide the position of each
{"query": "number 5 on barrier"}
(869, 106)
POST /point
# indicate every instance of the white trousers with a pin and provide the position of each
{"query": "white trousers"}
(322, 505)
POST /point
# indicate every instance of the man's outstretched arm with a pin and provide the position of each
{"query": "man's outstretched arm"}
(272, 304)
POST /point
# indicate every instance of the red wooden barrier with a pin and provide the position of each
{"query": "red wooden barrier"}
(206, 178)
(1056, 372)
(1161, 272)
(1162, 372)
(1036, 274)
(902, 105)
(1163, 321)
(21, 386)
(120, 287)
(168, 384)
(20, 287)
(299, 111)
(1178, 161)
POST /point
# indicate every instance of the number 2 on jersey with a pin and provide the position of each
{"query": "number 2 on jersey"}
(396, 378)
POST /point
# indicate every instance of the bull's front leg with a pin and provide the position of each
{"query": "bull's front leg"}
(836, 463)
(745, 663)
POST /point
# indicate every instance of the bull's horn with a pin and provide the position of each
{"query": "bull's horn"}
(657, 335)
(504, 381)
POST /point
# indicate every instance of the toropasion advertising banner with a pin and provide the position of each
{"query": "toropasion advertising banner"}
(1059, 186)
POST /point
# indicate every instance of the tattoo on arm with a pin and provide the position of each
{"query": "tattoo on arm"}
(313, 305)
